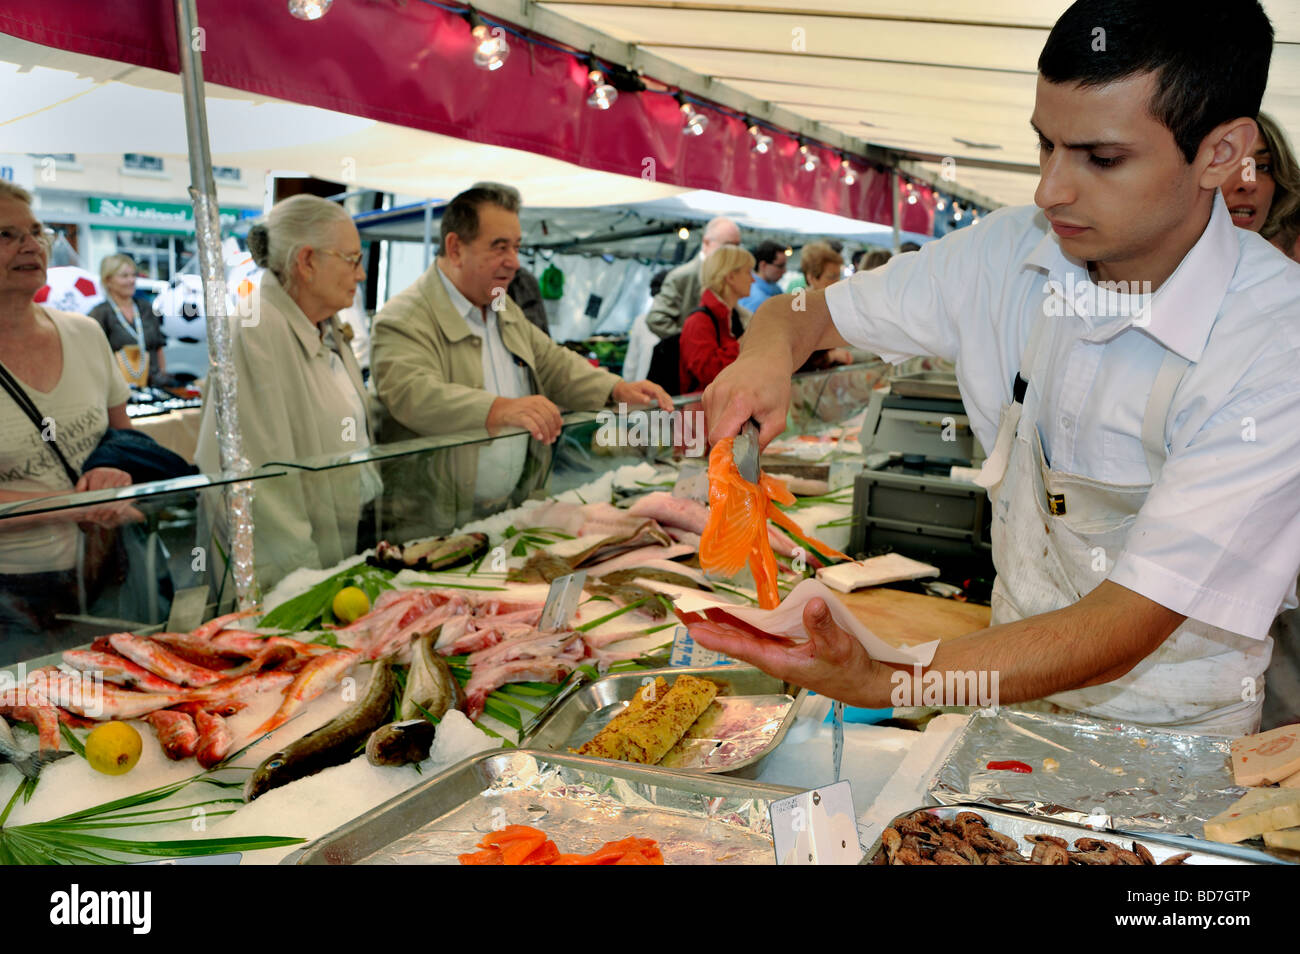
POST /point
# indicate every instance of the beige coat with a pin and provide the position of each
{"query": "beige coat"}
(428, 371)
(678, 297)
(291, 409)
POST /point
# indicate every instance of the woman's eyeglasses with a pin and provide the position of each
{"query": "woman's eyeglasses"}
(10, 236)
(353, 260)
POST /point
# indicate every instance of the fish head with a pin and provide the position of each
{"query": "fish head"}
(264, 778)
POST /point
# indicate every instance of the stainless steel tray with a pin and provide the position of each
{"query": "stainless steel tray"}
(763, 706)
(935, 385)
(579, 802)
(1017, 826)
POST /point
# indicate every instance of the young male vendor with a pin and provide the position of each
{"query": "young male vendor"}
(1144, 464)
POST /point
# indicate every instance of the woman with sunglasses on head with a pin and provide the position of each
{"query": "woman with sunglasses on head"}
(61, 393)
(300, 391)
(1264, 196)
(133, 330)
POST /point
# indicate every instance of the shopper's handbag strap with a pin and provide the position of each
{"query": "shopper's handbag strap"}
(22, 399)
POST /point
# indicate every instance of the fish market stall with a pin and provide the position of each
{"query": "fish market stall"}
(418, 701)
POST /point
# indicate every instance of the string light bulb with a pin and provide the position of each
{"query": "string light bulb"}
(956, 212)
(941, 205)
(846, 171)
(807, 158)
(309, 9)
(762, 142)
(490, 46)
(693, 123)
(602, 94)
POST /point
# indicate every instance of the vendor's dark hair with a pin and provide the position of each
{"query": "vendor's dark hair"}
(767, 251)
(1211, 57)
(461, 214)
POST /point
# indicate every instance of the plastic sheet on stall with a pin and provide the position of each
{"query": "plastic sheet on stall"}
(1102, 774)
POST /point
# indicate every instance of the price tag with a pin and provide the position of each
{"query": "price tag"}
(687, 652)
(817, 827)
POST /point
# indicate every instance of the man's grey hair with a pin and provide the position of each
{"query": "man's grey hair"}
(461, 214)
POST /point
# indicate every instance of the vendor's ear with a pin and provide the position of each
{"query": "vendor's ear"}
(1225, 149)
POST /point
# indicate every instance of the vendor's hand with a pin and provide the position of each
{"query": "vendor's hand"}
(751, 386)
(831, 661)
(534, 414)
(641, 392)
(99, 478)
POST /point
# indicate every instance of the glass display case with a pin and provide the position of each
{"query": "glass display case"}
(138, 549)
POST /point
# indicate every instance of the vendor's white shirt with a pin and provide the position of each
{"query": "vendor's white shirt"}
(77, 406)
(500, 462)
(1218, 539)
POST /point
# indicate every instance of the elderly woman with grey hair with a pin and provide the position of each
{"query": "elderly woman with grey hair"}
(300, 393)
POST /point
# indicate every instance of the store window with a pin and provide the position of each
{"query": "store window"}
(226, 174)
(140, 163)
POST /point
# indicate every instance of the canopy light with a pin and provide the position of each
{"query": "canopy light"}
(762, 143)
(490, 46)
(693, 123)
(602, 94)
(847, 173)
(807, 158)
(911, 198)
(309, 9)
(683, 233)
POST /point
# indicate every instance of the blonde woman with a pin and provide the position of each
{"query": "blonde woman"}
(300, 391)
(133, 330)
(711, 335)
(1266, 199)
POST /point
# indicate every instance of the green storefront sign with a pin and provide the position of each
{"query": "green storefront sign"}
(170, 217)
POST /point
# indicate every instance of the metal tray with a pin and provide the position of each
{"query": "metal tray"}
(579, 802)
(759, 700)
(933, 385)
(1017, 826)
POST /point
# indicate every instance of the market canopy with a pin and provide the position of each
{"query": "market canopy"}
(929, 78)
(645, 230)
(410, 66)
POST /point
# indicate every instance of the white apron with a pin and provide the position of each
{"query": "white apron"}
(1057, 535)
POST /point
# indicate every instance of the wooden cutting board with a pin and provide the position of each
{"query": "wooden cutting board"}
(905, 619)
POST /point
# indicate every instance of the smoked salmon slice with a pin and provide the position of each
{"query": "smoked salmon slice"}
(736, 531)
(522, 845)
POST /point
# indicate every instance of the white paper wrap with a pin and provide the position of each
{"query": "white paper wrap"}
(787, 620)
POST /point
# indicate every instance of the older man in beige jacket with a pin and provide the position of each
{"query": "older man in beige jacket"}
(453, 355)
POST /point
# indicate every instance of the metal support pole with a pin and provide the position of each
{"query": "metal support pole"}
(896, 207)
(428, 234)
(222, 386)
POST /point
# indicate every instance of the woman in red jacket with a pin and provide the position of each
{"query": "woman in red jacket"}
(710, 336)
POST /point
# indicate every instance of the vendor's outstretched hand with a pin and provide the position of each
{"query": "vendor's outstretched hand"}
(748, 387)
(831, 661)
(641, 392)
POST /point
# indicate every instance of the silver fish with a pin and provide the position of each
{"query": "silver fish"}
(432, 553)
(29, 763)
(430, 686)
(333, 743)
